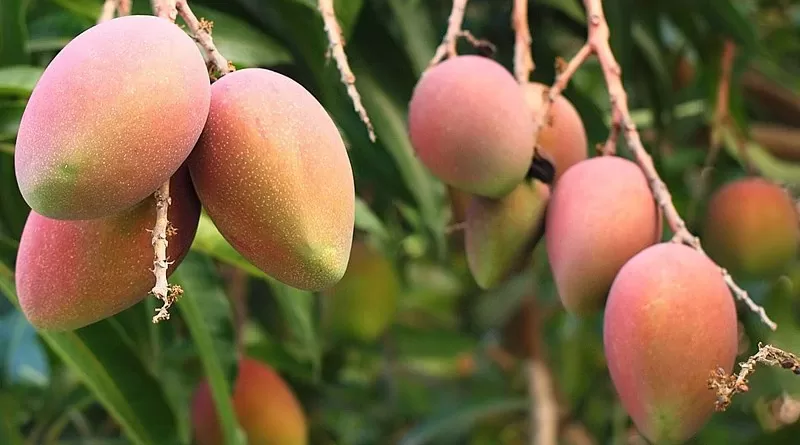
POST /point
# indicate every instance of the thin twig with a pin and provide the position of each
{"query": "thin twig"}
(523, 60)
(544, 419)
(448, 45)
(107, 13)
(124, 7)
(721, 110)
(201, 30)
(726, 386)
(336, 50)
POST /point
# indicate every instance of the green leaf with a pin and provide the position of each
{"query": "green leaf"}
(241, 43)
(13, 32)
(24, 360)
(110, 369)
(207, 312)
(417, 33)
(19, 80)
(10, 116)
(296, 305)
(9, 430)
(367, 221)
(762, 160)
(461, 420)
(89, 9)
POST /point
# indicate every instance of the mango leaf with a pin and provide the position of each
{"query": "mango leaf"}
(110, 369)
(24, 359)
(10, 116)
(296, 305)
(461, 420)
(769, 166)
(89, 9)
(241, 43)
(19, 80)
(9, 431)
(13, 32)
(207, 313)
(417, 33)
(367, 221)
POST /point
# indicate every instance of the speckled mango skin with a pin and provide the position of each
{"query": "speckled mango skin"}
(563, 139)
(499, 233)
(265, 406)
(114, 115)
(600, 215)
(471, 127)
(70, 274)
(273, 173)
(362, 305)
(751, 228)
(669, 321)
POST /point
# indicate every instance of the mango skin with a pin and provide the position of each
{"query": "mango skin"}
(600, 215)
(70, 274)
(265, 406)
(500, 233)
(362, 305)
(114, 115)
(751, 228)
(562, 140)
(669, 321)
(471, 127)
(273, 173)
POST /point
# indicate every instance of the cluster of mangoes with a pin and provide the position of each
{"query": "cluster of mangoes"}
(669, 317)
(128, 105)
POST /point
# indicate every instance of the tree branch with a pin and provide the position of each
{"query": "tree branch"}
(124, 7)
(336, 50)
(523, 61)
(544, 421)
(726, 386)
(598, 42)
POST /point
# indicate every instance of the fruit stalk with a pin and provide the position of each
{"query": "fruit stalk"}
(726, 386)
(598, 43)
(107, 13)
(336, 50)
(448, 45)
(201, 31)
(523, 60)
(544, 422)
(169, 294)
(124, 7)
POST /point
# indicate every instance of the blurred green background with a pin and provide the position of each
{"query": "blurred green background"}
(443, 362)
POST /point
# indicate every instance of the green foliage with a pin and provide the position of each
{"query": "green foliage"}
(439, 375)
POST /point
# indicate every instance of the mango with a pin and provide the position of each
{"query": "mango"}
(471, 127)
(265, 406)
(669, 321)
(273, 173)
(600, 215)
(501, 233)
(562, 139)
(751, 228)
(114, 115)
(362, 305)
(70, 274)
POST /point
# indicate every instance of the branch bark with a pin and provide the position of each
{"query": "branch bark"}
(107, 11)
(201, 30)
(336, 50)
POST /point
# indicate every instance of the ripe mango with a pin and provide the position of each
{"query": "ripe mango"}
(362, 305)
(471, 127)
(114, 115)
(265, 406)
(562, 140)
(70, 274)
(751, 228)
(500, 233)
(600, 215)
(669, 321)
(273, 173)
